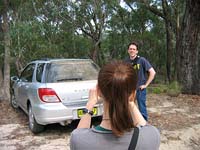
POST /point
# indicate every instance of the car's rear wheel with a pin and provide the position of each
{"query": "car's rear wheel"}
(33, 125)
(13, 100)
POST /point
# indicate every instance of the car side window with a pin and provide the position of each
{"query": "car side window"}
(39, 72)
(27, 73)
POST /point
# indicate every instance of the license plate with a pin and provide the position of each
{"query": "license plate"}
(80, 112)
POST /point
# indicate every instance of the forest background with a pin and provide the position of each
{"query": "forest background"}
(168, 32)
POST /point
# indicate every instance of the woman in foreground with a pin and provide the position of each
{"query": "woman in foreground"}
(116, 86)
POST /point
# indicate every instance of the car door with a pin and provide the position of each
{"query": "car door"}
(24, 84)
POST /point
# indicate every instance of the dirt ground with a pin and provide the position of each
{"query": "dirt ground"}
(177, 118)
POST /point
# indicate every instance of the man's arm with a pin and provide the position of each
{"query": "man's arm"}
(150, 78)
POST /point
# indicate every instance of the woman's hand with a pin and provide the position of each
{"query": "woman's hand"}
(85, 121)
(93, 98)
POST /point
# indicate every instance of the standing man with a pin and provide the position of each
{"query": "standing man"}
(144, 68)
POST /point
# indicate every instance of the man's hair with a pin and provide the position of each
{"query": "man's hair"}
(117, 81)
(133, 43)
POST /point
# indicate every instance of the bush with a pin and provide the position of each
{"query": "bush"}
(157, 88)
(174, 89)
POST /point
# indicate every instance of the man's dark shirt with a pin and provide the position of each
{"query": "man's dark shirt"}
(142, 65)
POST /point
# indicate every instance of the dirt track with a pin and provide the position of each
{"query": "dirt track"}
(178, 119)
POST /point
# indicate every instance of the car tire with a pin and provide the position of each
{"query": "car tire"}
(33, 125)
(13, 101)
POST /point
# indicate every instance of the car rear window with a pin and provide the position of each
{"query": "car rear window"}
(68, 71)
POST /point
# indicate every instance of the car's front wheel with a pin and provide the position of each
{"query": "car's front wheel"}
(33, 125)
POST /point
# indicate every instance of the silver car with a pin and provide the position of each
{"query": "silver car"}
(54, 91)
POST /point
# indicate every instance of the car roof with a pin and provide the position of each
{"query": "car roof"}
(58, 60)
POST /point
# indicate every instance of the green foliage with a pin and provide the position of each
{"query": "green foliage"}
(98, 29)
(69, 28)
(174, 89)
(157, 88)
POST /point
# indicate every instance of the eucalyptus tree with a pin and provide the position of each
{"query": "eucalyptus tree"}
(7, 11)
(1, 50)
(116, 36)
(189, 49)
(172, 13)
(121, 29)
(89, 17)
(37, 33)
(136, 23)
(55, 36)
(5, 75)
(182, 22)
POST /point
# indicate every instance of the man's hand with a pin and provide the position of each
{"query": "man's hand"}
(143, 87)
(150, 78)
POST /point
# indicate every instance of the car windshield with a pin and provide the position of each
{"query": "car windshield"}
(71, 70)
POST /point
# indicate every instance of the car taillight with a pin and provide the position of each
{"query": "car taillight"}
(48, 95)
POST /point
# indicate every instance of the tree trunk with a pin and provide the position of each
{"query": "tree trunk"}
(169, 50)
(178, 28)
(18, 65)
(95, 51)
(189, 49)
(169, 38)
(6, 81)
(1, 84)
(177, 53)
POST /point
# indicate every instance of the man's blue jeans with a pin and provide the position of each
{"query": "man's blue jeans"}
(141, 100)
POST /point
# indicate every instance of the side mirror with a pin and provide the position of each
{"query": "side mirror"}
(14, 78)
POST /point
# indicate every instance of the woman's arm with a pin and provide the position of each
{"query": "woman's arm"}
(85, 121)
(137, 116)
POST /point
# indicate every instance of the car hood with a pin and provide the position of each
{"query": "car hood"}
(73, 93)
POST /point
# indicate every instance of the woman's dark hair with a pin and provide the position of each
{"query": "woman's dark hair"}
(117, 81)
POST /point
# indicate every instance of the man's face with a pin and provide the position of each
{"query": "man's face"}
(132, 51)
